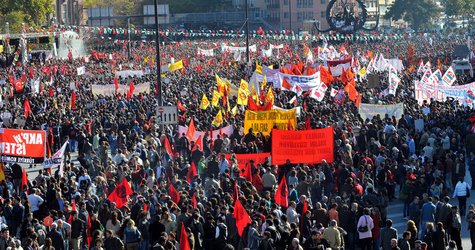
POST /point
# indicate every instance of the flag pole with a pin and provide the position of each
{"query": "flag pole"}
(247, 33)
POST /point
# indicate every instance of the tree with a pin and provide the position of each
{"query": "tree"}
(453, 7)
(419, 14)
(31, 12)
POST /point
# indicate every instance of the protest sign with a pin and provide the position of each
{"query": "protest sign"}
(22, 146)
(264, 121)
(368, 111)
(302, 146)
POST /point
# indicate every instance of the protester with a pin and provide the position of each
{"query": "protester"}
(126, 182)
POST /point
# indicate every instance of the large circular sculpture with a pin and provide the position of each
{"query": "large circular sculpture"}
(347, 16)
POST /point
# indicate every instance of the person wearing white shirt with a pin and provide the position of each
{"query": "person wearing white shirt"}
(461, 191)
(364, 227)
(35, 202)
(223, 164)
(292, 215)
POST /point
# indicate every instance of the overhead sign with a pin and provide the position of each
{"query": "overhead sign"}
(167, 115)
(22, 146)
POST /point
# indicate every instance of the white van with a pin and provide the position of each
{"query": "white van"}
(462, 67)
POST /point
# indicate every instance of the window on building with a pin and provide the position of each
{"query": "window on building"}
(323, 1)
(323, 14)
(286, 2)
(310, 4)
(286, 15)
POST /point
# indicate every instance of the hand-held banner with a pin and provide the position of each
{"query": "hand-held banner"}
(264, 121)
(244, 159)
(22, 146)
(302, 146)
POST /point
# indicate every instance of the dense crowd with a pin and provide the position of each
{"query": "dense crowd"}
(333, 205)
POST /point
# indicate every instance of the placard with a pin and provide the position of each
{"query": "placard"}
(22, 146)
(265, 121)
(302, 146)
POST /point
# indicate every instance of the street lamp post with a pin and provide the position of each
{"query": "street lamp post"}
(157, 43)
(248, 60)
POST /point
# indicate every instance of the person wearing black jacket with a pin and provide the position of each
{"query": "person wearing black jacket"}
(209, 233)
(56, 238)
(112, 242)
(316, 242)
(77, 231)
(155, 229)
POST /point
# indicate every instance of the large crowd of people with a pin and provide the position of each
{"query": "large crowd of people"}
(331, 205)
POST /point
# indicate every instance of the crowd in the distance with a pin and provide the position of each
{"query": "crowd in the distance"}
(335, 205)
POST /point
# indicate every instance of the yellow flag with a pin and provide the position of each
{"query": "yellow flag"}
(227, 105)
(146, 59)
(242, 97)
(204, 102)
(234, 111)
(270, 66)
(245, 87)
(221, 85)
(164, 75)
(305, 50)
(215, 99)
(362, 72)
(218, 119)
(270, 96)
(258, 68)
(55, 103)
(175, 66)
(264, 83)
(2, 172)
(254, 93)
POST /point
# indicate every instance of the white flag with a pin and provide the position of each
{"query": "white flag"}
(56, 158)
(81, 70)
(333, 92)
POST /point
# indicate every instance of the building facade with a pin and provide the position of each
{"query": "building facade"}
(69, 12)
(297, 15)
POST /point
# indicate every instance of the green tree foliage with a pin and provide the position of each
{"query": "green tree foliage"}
(192, 6)
(419, 14)
(33, 13)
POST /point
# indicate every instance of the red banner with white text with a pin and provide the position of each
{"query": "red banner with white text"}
(302, 146)
(22, 146)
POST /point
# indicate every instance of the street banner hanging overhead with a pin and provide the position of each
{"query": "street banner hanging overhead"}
(302, 146)
(22, 146)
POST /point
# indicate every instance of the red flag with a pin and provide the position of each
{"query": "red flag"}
(121, 193)
(326, 76)
(198, 142)
(174, 195)
(307, 125)
(73, 208)
(24, 180)
(145, 207)
(130, 93)
(26, 108)
(194, 203)
(116, 83)
(23, 77)
(18, 86)
(304, 207)
(191, 130)
(184, 243)
(89, 233)
(247, 173)
(32, 73)
(73, 100)
(241, 216)
(282, 193)
(70, 55)
(167, 146)
(180, 106)
(191, 172)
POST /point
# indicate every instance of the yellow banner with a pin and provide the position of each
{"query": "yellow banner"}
(175, 66)
(264, 121)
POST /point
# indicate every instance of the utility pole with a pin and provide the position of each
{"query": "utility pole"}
(247, 34)
(290, 18)
(128, 33)
(157, 43)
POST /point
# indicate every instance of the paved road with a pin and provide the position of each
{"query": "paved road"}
(395, 212)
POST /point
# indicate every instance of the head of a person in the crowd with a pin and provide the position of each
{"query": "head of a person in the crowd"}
(389, 223)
